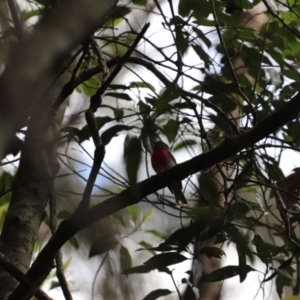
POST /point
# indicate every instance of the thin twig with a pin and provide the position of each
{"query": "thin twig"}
(176, 287)
(98, 158)
(177, 29)
(58, 259)
(61, 276)
(95, 102)
(95, 277)
(122, 61)
(235, 78)
(101, 60)
(69, 87)
(285, 218)
(15, 18)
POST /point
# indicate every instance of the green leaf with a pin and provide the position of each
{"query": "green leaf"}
(162, 104)
(197, 271)
(148, 133)
(242, 237)
(139, 270)
(14, 147)
(141, 84)
(293, 129)
(123, 96)
(157, 233)
(208, 190)
(72, 131)
(119, 113)
(283, 280)
(240, 207)
(146, 246)
(185, 6)
(184, 105)
(284, 265)
(117, 87)
(85, 134)
(5, 188)
(74, 242)
(164, 260)
(163, 247)
(103, 245)
(171, 129)
(203, 37)
(184, 144)
(101, 121)
(132, 156)
(181, 41)
(144, 109)
(284, 273)
(222, 124)
(113, 131)
(265, 251)
(119, 218)
(156, 294)
(202, 55)
(45, 3)
(226, 103)
(54, 284)
(90, 86)
(245, 4)
(291, 74)
(219, 88)
(273, 168)
(118, 15)
(225, 273)
(26, 15)
(64, 214)
(148, 214)
(211, 252)
(125, 259)
(133, 211)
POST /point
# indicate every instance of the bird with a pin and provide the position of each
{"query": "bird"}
(161, 160)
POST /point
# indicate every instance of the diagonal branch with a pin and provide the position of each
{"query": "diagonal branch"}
(9, 267)
(42, 265)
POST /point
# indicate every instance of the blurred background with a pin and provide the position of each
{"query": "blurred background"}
(202, 70)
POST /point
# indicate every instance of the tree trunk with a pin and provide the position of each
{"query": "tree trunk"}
(38, 166)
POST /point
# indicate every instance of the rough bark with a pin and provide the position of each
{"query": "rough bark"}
(35, 175)
(32, 67)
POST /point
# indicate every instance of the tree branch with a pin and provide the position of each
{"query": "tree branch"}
(42, 265)
(8, 266)
(95, 102)
(33, 63)
(58, 259)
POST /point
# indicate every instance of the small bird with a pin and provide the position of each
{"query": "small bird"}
(162, 159)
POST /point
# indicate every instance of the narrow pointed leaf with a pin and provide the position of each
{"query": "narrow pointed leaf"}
(225, 273)
(125, 258)
(113, 131)
(156, 294)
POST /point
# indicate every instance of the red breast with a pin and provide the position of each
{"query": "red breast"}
(161, 160)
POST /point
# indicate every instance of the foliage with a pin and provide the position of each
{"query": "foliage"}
(213, 75)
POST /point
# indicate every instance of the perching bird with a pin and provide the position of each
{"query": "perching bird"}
(162, 159)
